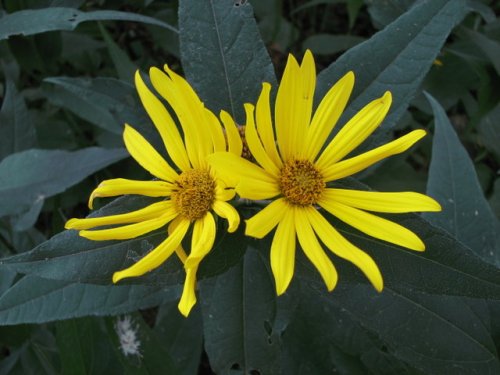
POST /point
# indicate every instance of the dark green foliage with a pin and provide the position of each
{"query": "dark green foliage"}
(66, 84)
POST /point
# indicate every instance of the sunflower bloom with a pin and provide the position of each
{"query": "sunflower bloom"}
(294, 170)
(191, 190)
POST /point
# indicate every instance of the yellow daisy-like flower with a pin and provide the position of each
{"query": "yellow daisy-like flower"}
(294, 170)
(190, 196)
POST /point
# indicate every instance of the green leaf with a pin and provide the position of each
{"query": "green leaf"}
(183, 337)
(383, 12)
(489, 131)
(125, 68)
(105, 102)
(51, 19)
(326, 44)
(36, 300)
(430, 333)
(453, 182)
(490, 47)
(33, 175)
(222, 53)
(323, 337)
(238, 313)
(17, 131)
(395, 59)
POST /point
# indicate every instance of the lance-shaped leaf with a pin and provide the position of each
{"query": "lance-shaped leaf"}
(238, 313)
(33, 175)
(432, 334)
(105, 102)
(58, 18)
(395, 59)
(37, 300)
(17, 131)
(466, 214)
(222, 53)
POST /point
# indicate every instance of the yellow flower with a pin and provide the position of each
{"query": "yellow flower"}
(190, 196)
(295, 171)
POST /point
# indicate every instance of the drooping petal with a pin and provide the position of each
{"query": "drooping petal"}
(265, 124)
(156, 257)
(356, 131)
(122, 186)
(232, 168)
(344, 249)
(146, 155)
(357, 163)
(188, 298)
(255, 145)
(234, 143)
(131, 230)
(312, 248)
(374, 226)
(383, 202)
(152, 211)
(266, 219)
(283, 252)
(164, 124)
(228, 212)
(172, 227)
(286, 108)
(327, 114)
(203, 239)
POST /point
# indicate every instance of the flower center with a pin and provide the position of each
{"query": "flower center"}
(195, 194)
(301, 183)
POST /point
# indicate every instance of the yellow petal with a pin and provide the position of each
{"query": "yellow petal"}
(194, 114)
(383, 202)
(266, 219)
(265, 124)
(214, 126)
(152, 211)
(188, 298)
(131, 230)
(286, 109)
(355, 164)
(203, 239)
(223, 193)
(188, 110)
(156, 257)
(327, 114)
(257, 190)
(312, 248)
(122, 186)
(232, 168)
(356, 131)
(172, 227)
(255, 145)
(164, 124)
(147, 156)
(344, 249)
(373, 225)
(283, 252)
(228, 212)
(234, 143)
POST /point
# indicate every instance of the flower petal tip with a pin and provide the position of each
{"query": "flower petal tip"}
(71, 224)
(185, 307)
